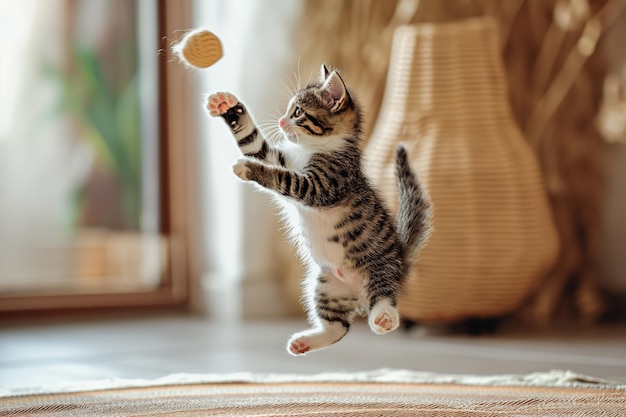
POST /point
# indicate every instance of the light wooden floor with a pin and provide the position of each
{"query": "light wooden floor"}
(35, 355)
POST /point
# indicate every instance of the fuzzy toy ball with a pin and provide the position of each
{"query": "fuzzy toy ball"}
(199, 48)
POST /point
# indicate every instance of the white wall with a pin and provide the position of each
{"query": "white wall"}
(240, 224)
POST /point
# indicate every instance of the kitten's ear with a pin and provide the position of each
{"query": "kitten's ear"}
(323, 73)
(334, 92)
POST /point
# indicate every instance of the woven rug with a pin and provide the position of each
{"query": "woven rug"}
(377, 393)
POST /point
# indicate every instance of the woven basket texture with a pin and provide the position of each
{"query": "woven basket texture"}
(494, 238)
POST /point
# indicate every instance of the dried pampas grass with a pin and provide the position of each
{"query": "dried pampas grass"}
(558, 115)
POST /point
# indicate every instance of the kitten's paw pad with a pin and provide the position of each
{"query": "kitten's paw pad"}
(240, 168)
(384, 323)
(384, 320)
(298, 346)
(219, 103)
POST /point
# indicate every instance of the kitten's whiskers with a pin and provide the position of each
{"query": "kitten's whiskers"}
(270, 128)
(295, 133)
(286, 90)
(298, 75)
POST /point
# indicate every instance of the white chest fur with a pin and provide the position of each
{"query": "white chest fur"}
(312, 228)
(317, 227)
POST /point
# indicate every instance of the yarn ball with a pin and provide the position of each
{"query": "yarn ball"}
(199, 48)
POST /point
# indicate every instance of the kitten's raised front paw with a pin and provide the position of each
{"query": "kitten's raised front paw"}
(240, 168)
(219, 103)
(383, 318)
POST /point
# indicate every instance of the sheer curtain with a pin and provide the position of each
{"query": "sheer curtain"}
(244, 250)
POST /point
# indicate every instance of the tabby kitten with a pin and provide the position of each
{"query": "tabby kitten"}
(357, 256)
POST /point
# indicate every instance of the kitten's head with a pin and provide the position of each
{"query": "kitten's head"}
(323, 114)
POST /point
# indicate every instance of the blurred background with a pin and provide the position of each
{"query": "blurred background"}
(116, 192)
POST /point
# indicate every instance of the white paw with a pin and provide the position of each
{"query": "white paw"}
(316, 338)
(220, 103)
(383, 317)
(240, 168)
(298, 345)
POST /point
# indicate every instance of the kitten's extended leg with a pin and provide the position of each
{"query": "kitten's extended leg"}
(383, 316)
(332, 307)
(383, 288)
(249, 138)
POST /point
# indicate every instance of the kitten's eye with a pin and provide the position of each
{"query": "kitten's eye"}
(239, 110)
(297, 112)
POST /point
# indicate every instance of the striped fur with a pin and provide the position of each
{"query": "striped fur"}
(358, 255)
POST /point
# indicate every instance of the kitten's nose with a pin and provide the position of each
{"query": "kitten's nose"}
(282, 121)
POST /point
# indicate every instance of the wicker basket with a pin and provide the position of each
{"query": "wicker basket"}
(494, 239)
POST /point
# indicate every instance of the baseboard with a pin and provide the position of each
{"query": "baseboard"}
(229, 298)
(263, 297)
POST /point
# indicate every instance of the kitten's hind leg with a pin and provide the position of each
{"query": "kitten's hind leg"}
(383, 316)
(324, 335)
(332, 307)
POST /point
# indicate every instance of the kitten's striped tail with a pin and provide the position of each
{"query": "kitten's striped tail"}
(414, 206)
